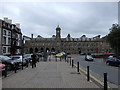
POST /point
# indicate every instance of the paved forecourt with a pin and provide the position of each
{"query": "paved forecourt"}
(50, 74)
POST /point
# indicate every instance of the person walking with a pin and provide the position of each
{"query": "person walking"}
(45, 55)
(34, 60)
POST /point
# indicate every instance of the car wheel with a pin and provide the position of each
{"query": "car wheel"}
(9, 67)
(107, 63)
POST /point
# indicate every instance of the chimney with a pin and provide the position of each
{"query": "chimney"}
(10, 21)
(6, 19)
(32, 36)
(17, 25)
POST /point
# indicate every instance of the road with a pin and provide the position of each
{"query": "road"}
(98, 67)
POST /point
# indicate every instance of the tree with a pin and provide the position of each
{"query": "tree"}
(114, 38)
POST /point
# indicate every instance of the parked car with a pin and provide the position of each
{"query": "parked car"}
(113, 61)
(82, 53)
(88, 58)
(28, 57)
(10, 63)
(61, 54)
(19, 59)
(53, 53)
(40, 54)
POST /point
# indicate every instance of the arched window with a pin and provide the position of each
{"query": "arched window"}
(47, 49)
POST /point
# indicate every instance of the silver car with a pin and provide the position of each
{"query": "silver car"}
(88, 58)
(19, 59)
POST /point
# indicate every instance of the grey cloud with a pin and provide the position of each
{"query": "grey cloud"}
(75, 18)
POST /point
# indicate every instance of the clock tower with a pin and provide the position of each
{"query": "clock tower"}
(58, 34)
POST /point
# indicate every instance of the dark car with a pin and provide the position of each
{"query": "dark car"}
(10, 63)
(113, 61)
(88, 58)
(28, 57)
(82, 53)
(40, 54)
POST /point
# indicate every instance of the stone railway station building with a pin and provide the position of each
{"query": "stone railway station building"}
(68, 44)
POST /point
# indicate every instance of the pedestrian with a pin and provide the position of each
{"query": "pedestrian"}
(34, 60)
(45, 56)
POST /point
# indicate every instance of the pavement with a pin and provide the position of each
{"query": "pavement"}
(50, 74)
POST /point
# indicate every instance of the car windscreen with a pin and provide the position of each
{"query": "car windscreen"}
(89, 56)
(5, 57)
(15, 58)
(27, 56)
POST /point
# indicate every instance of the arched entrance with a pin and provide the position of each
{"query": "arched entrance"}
(79, 51)
(52, 50)
(47, 49)
(36, 50)
(42, 50)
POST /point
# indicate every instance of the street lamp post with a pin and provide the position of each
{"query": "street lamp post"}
(22, 51)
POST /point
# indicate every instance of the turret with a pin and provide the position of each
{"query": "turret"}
(58, 32)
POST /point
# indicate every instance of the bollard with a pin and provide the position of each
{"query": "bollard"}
(56, 59)
(105, 81)
(5, 72)
(27, 63)
(72, 63)
(70, 58)
(78, 67)
(15, 68)
(22, 60)
(22, 65)
(88, 75)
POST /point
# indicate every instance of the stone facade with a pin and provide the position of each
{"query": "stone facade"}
(10, 37)
(68, 44)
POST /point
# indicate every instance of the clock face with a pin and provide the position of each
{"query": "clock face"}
(58, 31)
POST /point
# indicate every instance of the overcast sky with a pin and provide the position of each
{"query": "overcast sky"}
(75, 18)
